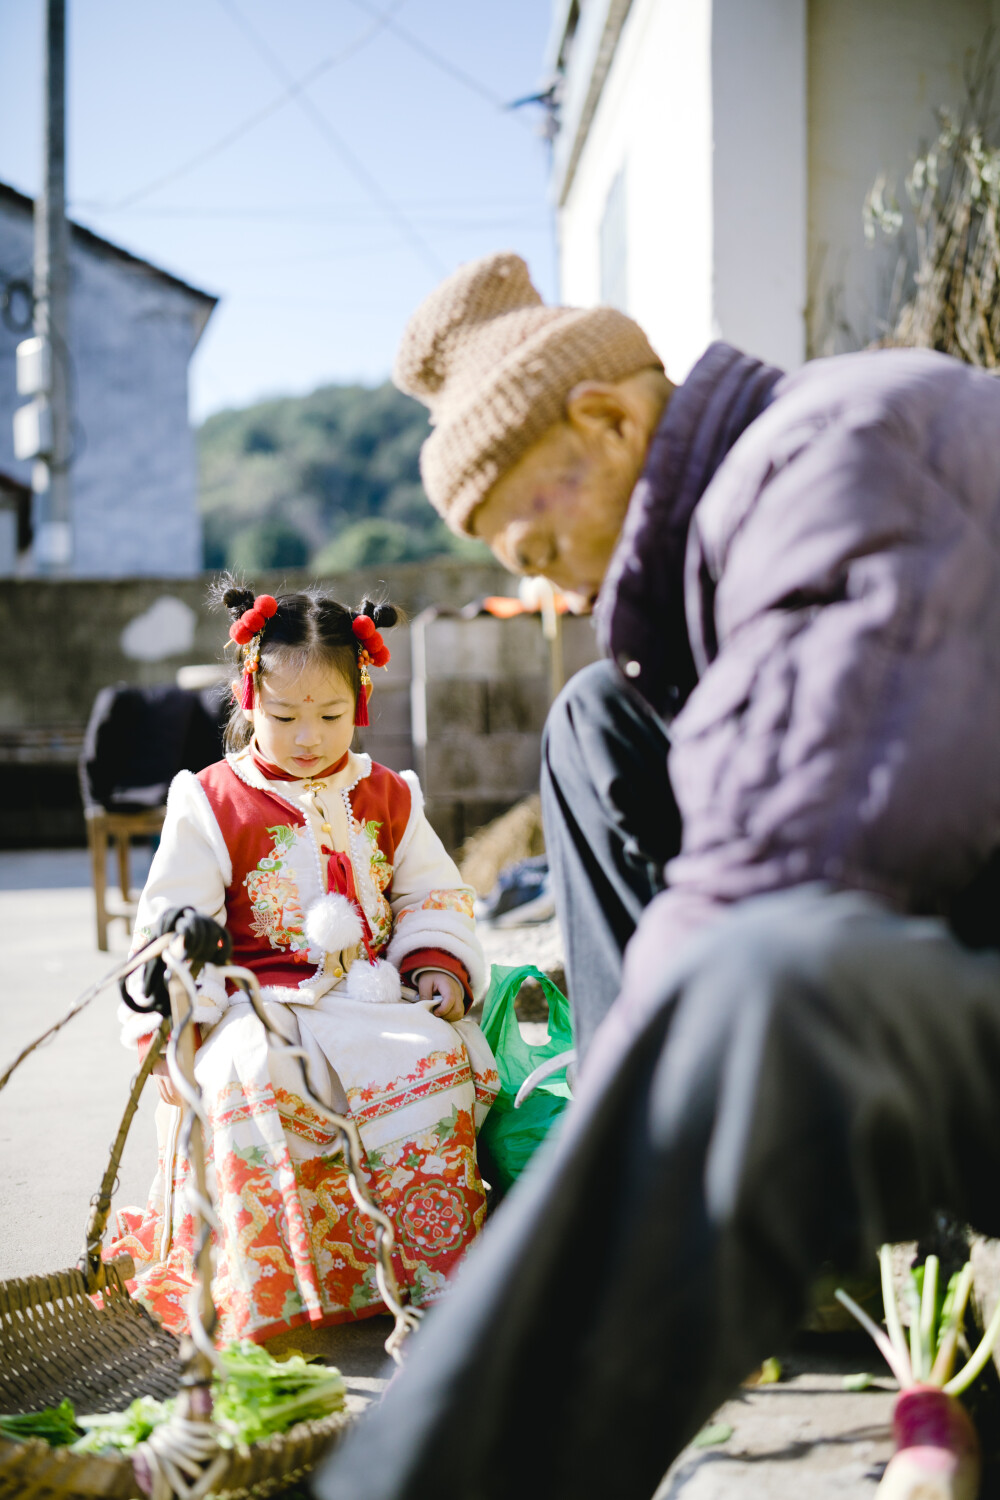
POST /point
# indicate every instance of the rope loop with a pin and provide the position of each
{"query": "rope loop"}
(205, 942)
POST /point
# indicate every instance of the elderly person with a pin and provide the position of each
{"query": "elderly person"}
(773, 815)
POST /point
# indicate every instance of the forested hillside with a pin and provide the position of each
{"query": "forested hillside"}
(327, 481)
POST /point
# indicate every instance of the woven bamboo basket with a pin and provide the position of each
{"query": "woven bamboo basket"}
(55, 1342)
(78, 1334)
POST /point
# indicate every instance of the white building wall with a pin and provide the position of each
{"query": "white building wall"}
(654, 118)
(704, 107)
(759, 177)
(750, 132)
(134, 483)
(878, 69)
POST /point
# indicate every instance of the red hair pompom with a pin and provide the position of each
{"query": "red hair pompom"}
(374, 642)
(381, 657)
(363, 627)
(239, 633)
(266, 605)
(252, 620)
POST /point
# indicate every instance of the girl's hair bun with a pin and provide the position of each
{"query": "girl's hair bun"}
(384, 616)
(229, 592)
(237, 599)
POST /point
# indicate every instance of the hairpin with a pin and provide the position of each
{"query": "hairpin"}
(372, 652)
(246, 632)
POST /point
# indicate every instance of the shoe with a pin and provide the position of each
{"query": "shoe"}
(521, 896)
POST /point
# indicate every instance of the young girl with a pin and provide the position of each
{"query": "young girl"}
(335, 890)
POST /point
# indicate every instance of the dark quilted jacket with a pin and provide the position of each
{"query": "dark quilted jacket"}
(808, 590)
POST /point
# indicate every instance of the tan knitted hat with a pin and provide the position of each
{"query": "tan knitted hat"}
(495, 366)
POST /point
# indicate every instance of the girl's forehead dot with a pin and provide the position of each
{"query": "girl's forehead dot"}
(312, 684)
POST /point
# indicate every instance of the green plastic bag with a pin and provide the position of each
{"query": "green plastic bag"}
(511, 1136)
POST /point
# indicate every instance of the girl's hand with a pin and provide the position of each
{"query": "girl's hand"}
(438, 984)
(164, 1083)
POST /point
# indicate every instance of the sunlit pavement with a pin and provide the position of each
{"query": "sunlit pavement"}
(61, 1110)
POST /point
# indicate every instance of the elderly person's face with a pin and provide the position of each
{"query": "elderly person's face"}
(559, 510)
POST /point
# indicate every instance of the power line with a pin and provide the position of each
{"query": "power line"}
(437, 59)
(245, 126)
(347, 252)
(357, 169)
(341, 219)
(343, 212)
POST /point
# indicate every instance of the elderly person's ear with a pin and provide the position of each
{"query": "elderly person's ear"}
(598, 411)
(595, 407)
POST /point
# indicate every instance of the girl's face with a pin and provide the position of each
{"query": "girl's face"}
(304, 719)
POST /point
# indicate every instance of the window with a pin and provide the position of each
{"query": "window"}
(614, 246)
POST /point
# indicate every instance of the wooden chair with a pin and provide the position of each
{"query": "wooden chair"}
(103, 829)
(137, 740)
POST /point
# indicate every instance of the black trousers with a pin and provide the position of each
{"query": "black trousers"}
(611, 824)
(813, 1075)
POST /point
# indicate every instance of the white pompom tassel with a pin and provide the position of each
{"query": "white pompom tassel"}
(333, 924)
(375, 984)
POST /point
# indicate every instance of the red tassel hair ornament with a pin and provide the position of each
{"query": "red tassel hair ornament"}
(361, 719)
(372, 652)
(242, 631)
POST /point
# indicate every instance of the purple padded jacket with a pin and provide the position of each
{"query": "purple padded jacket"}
(807, 590)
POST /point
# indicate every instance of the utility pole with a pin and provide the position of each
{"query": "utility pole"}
(50, 477)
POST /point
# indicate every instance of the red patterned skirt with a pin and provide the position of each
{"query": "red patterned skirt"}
(292, 1246)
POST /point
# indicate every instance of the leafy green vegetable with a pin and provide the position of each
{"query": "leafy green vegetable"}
(710, 1437)
(256, 1395)
(122, 1431)
(56, 1425)
(768, 1373)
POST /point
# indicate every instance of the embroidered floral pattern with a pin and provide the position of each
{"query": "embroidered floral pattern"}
(293, 1247)
(453, 900)
(277, 915)
(435, 1217)
(436, 1074)
(381, 872)
(460, 901)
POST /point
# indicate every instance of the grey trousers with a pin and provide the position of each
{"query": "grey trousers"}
(812, 1075)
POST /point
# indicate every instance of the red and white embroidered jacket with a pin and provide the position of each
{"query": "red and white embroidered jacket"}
(256, 854)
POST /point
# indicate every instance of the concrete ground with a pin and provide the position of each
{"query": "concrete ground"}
(61, 1110)
(805, 1437)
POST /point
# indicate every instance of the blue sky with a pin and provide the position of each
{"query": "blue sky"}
(325, 222)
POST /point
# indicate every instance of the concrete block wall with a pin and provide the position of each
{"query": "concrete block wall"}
(481, 689)
(65, 640)
(463, 701)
